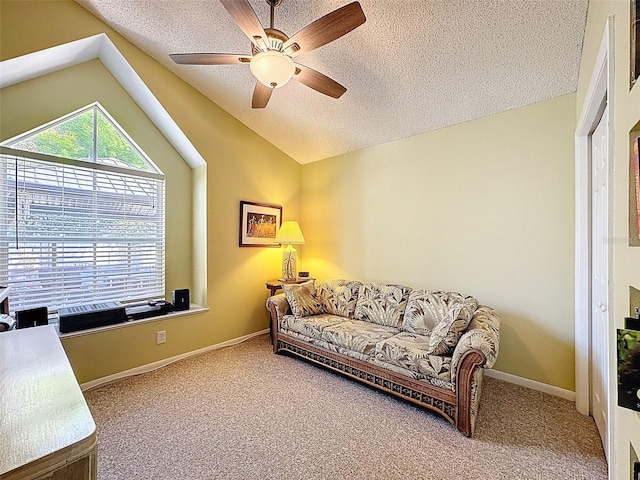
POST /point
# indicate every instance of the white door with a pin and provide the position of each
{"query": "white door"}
(600, 276)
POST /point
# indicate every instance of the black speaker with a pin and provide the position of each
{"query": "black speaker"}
(32, 317)
(180, 299)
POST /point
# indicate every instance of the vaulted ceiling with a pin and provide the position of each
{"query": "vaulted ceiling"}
(412, 67)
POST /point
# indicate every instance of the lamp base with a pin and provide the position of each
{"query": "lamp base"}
(289, 261)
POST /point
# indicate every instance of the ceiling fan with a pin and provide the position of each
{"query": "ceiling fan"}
(272, 51)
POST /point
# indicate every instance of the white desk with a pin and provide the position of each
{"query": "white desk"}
(46, 429)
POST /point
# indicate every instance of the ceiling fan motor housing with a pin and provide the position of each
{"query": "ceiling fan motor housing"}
(276, 40)
(271, 66)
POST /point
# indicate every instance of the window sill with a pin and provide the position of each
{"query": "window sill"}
(194, 309)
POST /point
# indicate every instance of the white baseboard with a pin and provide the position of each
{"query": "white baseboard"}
(507, 377)
(532, 384)
(166, 361)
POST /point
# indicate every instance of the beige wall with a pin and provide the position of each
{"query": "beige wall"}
(240, 166)
(484, 208)
(625, 111)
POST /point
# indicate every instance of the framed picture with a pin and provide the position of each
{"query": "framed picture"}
(629, 369)
(259, 223)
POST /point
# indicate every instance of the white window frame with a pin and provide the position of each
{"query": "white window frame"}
(55, 300)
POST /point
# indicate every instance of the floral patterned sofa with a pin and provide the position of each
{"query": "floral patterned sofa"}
(428, 347)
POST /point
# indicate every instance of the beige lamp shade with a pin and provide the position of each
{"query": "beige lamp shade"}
(289, 233)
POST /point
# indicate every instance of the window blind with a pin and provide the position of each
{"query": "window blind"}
(73, 232)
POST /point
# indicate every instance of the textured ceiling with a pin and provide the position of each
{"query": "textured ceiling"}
(414, 66)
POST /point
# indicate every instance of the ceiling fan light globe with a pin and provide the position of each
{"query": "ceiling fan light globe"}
(271, 68)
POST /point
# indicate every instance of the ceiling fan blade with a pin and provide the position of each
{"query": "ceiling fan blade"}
(318, 81)
(209, 58)
(326, 29)
(261, 95)
(245, 17)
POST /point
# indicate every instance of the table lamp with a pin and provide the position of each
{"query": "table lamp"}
(288, 235)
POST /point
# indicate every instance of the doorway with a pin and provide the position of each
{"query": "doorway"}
(593, 330)
(600, 275)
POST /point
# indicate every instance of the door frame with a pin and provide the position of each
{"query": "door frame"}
(599, 91)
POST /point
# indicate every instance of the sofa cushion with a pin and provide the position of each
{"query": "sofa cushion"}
(329, 346)
(442, 316)
(312, 326)
(382, 304)
(303, 299)
(413, 352)
(357, 335)
(339, 297)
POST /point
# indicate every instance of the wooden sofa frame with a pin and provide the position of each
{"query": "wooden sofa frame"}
(454, 406)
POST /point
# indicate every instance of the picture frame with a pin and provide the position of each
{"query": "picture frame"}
(259, 224)
(635, 42)
(628, 372)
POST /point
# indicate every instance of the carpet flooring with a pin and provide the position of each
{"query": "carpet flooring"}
(244, 413)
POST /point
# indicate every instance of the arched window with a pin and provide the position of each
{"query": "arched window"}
(81, 215)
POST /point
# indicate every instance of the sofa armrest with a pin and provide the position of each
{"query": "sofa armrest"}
(483, 335)
(278, 305)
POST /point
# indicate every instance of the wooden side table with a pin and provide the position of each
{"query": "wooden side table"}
(275, 284)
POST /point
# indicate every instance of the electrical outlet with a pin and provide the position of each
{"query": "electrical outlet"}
(161, 336)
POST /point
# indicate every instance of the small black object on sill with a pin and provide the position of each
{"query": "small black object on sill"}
(148, 310)
(32, 317)
(180, 299)
(631, 323)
